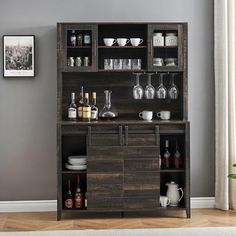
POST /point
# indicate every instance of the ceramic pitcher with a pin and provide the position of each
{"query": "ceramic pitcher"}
(173, 193)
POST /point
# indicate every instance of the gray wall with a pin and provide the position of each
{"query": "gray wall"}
(28, 106)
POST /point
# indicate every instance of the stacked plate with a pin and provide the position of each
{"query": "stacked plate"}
(76, 163)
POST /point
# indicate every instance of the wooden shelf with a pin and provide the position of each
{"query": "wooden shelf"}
(132, 71)
(74, 171)
(71, 47)
(122, 47)
(171, 170)
(165, 47)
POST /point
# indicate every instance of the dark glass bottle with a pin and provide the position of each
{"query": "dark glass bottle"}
(94, 108)
(78, 195)
(73, 38)
(177, 157)
(69, 202)
(81, 104)
(166, 156)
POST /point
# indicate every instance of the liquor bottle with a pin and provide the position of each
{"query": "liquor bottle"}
(85, 201)
(86, 108)
(79, 39)
(72, 110)
(177, 157)
(81, 104)
(87, 39)
(69, 203)
(78, 195)
(73, 38)
(94, 108)
(166, 156)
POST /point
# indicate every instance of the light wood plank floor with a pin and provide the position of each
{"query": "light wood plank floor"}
(47, 221)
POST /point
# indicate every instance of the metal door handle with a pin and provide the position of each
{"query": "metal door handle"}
(126, 135)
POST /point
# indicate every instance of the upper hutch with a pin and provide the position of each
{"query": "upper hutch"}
(123, 170)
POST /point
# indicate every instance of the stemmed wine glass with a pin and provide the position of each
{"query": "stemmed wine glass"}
(149, 89)
(137, 89)
(173, 90)
(161, 91)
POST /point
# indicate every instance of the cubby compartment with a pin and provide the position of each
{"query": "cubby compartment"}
(72, 145)
(73, 184)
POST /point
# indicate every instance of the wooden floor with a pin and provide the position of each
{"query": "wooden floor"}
(47, 221)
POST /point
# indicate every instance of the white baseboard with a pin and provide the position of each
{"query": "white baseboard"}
(51, 205)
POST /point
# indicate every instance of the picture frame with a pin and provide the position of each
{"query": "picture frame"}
(18, 56)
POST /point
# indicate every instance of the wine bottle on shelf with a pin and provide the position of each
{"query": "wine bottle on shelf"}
(94, 108)
(78, 195)
(72, 110)
(69, 202)
(73, 38)
(85, 201)
(166, 156)
(81, 103)
(177, 157)
(86, 108)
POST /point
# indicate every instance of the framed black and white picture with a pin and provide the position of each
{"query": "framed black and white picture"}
(18, 56)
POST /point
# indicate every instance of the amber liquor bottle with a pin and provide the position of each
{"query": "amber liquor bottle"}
(72, 110)
(86, 108)
(78, 195)
(69, 202)
(166, 156)
(94, 108)
(81, 104)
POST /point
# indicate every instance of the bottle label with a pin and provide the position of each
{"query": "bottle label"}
(87, 39)
(94, 114)
(86, 112)
(80, 112)
(69, 203)
(78, 201)
(72, 113)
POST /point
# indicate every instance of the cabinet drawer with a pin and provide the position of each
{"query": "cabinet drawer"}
(143, 140)
(141, 165)
(104, 203)
(107, 178)
(106, 190)
(141, 203)
(107, 166)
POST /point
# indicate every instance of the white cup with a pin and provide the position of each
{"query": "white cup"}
(109, 41)
(164, 201)
(146, 115)
(135, 41)
(122, 41)
(164, 115)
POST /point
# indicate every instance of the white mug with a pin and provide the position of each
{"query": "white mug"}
(135, 41)
(164, 115)
(122, 41)
(109, 41)
(164, 201)
(146, 115)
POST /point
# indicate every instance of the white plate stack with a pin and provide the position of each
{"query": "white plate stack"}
(76, 163)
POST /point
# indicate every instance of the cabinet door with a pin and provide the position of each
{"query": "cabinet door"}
(104, 170)
(141, 168)
(79, 52)
(164, 54)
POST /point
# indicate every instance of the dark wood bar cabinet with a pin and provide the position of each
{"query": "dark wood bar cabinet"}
(124, 173)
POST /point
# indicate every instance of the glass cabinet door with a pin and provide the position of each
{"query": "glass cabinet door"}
(79, 47)
(165, 47)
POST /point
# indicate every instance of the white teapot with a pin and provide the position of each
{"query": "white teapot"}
(173, 193)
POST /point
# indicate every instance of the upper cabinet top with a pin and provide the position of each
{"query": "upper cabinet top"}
(122, 47)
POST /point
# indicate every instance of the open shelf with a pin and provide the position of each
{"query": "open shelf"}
(171, 170)
(122, 47)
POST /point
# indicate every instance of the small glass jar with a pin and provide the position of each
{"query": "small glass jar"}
(158, 61)
(171, 39)
(86, 61)
(158, 39)
(78, 61)
(79, 40)
(87, 39)
(71, 62)
(171, 61)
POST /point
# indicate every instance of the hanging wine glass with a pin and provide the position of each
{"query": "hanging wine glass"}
(149, 89)
(161, 91)
(137, 89)
(173, 90)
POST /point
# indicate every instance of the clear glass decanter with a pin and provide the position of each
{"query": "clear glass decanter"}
(108, 112)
